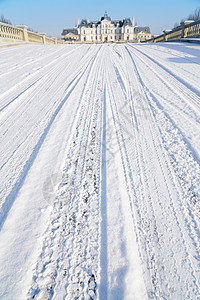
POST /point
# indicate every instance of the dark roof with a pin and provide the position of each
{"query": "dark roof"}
(127, 21)
(93, 23)
(139, 29)
(84, 22)
(106, 17)
(117, 22)
(70, 30)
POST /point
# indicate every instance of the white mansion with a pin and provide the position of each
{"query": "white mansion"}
(107, 30)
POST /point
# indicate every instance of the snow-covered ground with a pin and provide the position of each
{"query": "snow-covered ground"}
(100, 171)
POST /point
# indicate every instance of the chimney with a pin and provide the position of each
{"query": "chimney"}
(133, 21)
(78, 21)
(87, 20)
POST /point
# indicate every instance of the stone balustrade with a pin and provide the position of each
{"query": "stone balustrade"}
(9, 33)
(194, 30)
(185, 30)
(173, 34)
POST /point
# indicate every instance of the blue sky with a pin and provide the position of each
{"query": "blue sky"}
(51, 16)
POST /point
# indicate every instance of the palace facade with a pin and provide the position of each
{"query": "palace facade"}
(107, 30)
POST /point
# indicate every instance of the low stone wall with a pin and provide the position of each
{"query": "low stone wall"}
(186, 29)
(9, 33)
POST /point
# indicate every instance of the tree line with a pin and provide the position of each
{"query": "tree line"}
(193, 16)
(4, 20)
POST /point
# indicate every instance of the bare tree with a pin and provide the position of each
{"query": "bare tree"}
(195, 16)
(176, 25)
(4, 20)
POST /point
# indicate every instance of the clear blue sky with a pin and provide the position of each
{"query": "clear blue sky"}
(51, 16)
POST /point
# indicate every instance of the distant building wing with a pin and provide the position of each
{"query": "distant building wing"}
(70, 30)
(139, 29)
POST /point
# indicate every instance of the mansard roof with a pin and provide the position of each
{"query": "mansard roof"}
(117, 22)
(144, 29)
(86, 23)
(70, 30)
(127, 21)
(93, 23)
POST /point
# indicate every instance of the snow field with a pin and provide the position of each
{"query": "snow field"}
(100, 173)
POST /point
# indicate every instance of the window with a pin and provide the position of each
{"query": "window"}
(127, 30)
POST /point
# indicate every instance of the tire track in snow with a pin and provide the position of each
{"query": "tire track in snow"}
(12, 93)
(6, 205)
(186, 98)
(22, 93)
(189, 182)
(123, 267)
(132, 193)
(182, 87)
(185, 113)
(32, 62)
(140, 223)
(34, 121)
(103, 256)
(152, 156)
(48, 78)
(42, 86)
(180, 220)
(184, 110)
(154, 258)
(165, 121)
(72, 209)
(159, 50)
(84, 273)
